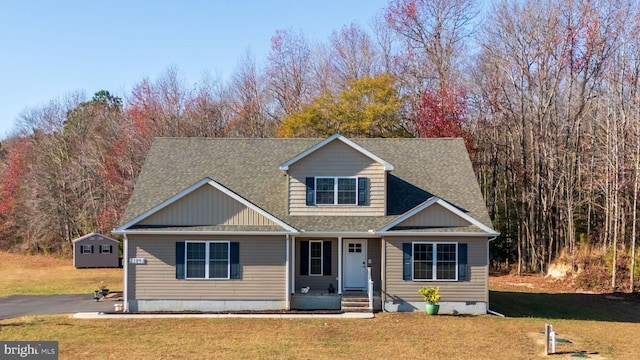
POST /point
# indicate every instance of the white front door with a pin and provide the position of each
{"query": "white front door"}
(355, 264)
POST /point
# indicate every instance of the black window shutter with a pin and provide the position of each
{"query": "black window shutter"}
(326, 258)
(463, 269)
(110, 249)
(407, 252)
(91, 252)
(304, 258)
(363, 191)
(311, 193)
(234, 256)
(180, 274)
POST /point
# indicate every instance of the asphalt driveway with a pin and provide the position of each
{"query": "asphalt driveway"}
(24, 305)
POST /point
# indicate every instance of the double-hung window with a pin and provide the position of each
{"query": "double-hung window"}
(435, 261)
(207, 260)
(86, 249)
(325, 191)
(315, 258)
(105, 249)
(336, 191)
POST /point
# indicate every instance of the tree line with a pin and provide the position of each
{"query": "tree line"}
(545, 94)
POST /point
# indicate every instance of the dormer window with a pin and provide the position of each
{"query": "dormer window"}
(325, 190)
(336, 191)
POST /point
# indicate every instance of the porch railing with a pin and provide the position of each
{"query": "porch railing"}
(370, 287)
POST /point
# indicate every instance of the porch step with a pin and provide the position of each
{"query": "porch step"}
(355, 302)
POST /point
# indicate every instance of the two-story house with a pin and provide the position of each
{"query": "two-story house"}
(273, 224)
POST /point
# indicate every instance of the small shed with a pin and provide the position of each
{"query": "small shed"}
(95, 251)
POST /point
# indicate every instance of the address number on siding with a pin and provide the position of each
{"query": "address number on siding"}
(137, 261)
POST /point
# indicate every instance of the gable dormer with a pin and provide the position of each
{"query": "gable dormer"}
(336, 177)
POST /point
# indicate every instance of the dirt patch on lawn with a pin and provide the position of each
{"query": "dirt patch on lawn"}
(565, 348)
(535, 283)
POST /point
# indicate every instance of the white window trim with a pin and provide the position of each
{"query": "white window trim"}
(321, 257)
(207, 259)
(103, 246)
(435, 261)
(335, 190)
(88, 247)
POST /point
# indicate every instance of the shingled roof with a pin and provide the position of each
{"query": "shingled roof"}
(422, 168)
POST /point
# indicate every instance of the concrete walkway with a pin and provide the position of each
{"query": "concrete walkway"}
(83, 306)
(99, 315)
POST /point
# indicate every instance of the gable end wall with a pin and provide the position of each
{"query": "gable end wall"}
(337, 159)
(206, 206)
(435, 216)
(96, 259)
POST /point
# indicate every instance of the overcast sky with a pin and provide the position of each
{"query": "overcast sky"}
(52, 48)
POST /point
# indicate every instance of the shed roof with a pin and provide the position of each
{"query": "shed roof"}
(88, 236)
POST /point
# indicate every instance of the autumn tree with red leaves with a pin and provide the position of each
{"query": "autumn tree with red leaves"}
(442, 114)
(12, 187)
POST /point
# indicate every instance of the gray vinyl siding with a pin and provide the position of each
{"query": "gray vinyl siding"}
(373, 253)
(262, 270)
(96, 259)
(435, 215)
(474, 290)
(337, 159)
(206, 206)
(317, 282)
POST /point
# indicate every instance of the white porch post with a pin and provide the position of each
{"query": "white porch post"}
(340, 265)
(293, 265)
(125, 265)
(287, 274)
(370, 287)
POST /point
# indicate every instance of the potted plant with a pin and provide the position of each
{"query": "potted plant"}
(431, 298)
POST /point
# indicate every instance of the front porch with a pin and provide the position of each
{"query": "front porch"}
(349, 301)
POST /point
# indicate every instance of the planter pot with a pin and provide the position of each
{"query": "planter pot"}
(432, 309)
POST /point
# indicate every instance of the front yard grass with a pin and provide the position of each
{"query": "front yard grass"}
(46, 275)
(388, 336)
(601, 326)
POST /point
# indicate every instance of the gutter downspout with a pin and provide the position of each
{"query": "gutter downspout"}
(125, 265)
(287, 275)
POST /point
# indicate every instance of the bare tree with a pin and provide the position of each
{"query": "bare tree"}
(288, 70)
(543, 68)
(434, 32)
(249, 103)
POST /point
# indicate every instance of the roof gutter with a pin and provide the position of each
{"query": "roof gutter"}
(196, 232)
(363, 234)
(360, 234)
(435, 233)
